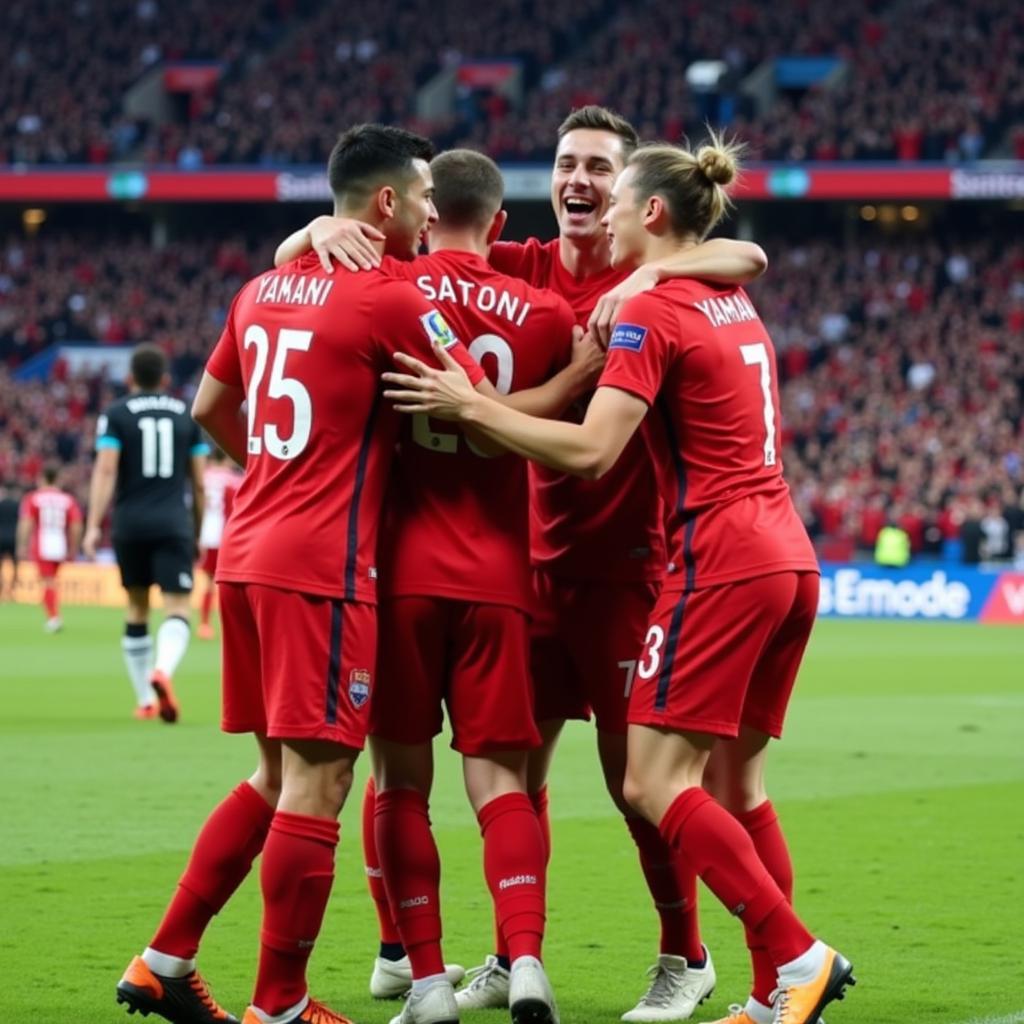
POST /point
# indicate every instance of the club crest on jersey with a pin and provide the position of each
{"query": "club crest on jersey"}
(359, 686)
(629, 336)
(437, 329)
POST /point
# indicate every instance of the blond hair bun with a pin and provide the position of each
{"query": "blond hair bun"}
(717, 163)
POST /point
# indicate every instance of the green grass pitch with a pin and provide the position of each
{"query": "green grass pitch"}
(899, 783)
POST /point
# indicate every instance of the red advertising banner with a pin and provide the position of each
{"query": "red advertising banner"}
(852, 182)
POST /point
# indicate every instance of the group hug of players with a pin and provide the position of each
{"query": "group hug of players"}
(647, 567)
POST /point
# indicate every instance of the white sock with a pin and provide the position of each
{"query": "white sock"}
(171, 644)
(281, 1018)
(421, 984)
(168, 966)
(805, 968)
(138, 657)
(758, 1012)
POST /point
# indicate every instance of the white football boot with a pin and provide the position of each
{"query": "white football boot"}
(530, 999)
(676, 990)
(433, 1005)
(392, 979)
(487, 988)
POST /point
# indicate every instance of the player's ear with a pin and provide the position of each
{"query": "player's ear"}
(497, 226)
(654, 210)
(387, 201)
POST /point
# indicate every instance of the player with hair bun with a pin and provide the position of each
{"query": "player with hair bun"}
(739, 595)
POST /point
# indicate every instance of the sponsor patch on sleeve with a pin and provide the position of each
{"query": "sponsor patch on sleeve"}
(437, 329)
(629, 336)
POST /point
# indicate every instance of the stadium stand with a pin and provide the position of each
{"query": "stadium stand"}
(798, 80)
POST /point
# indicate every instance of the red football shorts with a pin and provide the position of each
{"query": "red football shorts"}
(208, 563)
(47, 569)
(584, 643)
(296, 666)
(472, 657)
(717, 658)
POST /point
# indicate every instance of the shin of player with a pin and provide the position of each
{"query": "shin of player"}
(149, 453)
(49, 521)
(700, 359)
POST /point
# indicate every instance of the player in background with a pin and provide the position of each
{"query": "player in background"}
(740, 592)
(220, 481)
(52, 521)
(597, 546)
(150, 457)
(297, 576)
(10, 511)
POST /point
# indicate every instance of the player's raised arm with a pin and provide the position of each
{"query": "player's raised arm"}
(588, 449)
(725, 260)
(348, 241)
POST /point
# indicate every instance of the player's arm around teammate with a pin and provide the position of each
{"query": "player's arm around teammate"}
(748, 612)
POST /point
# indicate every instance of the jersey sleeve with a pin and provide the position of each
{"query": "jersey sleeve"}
(407, 322)
(74, 511)
(517, 259)
(28, 508)
(108, 432)
(564, 322)
(198, 444)
(639, 350)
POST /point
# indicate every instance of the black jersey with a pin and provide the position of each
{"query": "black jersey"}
(157, 438)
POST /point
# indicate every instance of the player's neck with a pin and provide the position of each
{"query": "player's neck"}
(660, 247)
(457, 241)
(584, 257)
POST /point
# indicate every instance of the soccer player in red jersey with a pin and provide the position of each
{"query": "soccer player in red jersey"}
(220, 482)
(597, 546)
(297, 572)
(51, 521)
(739, 595)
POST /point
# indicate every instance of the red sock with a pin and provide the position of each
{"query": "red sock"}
(412, 875)
(540, 805)
(206, 607)
(672, 883)
(50, 601)
(722, 853)
(762, 824)
(374, 876)
(227, 844)
(296, 878)
(515, 868)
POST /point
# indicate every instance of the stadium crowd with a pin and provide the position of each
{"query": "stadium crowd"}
(291, 71)
(902, 366)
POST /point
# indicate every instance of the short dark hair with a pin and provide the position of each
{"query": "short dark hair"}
(601, 119)
(148, 366)
(370, 155)
(50, 472)
(468, 187)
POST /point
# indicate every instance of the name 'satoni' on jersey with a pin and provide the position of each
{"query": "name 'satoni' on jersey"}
(482, 297)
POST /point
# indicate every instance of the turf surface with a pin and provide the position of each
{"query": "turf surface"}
(899, 783)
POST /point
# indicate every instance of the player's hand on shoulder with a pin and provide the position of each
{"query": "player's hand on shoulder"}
(90, 542)
(609, 306)
(587, 356)
(444, 393)
(348, 241)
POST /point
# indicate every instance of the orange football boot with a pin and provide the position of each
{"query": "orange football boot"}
(314, 1013)
(184, 1000)
(802, 1004)
(166, 700)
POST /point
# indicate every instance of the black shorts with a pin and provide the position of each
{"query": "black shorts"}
(7, 548)
(167, 562)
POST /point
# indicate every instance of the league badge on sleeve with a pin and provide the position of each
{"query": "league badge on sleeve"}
(359, 687)
(628, 336)
(438, 330)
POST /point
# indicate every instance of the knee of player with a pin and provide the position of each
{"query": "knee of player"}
(636, 794)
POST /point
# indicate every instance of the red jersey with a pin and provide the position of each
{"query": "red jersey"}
(309, 349)
(219, 486)
(702, 359)
(52, 511)
(608, 529)
(521, 336)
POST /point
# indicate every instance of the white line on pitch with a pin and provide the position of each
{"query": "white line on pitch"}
(1010, 1018)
